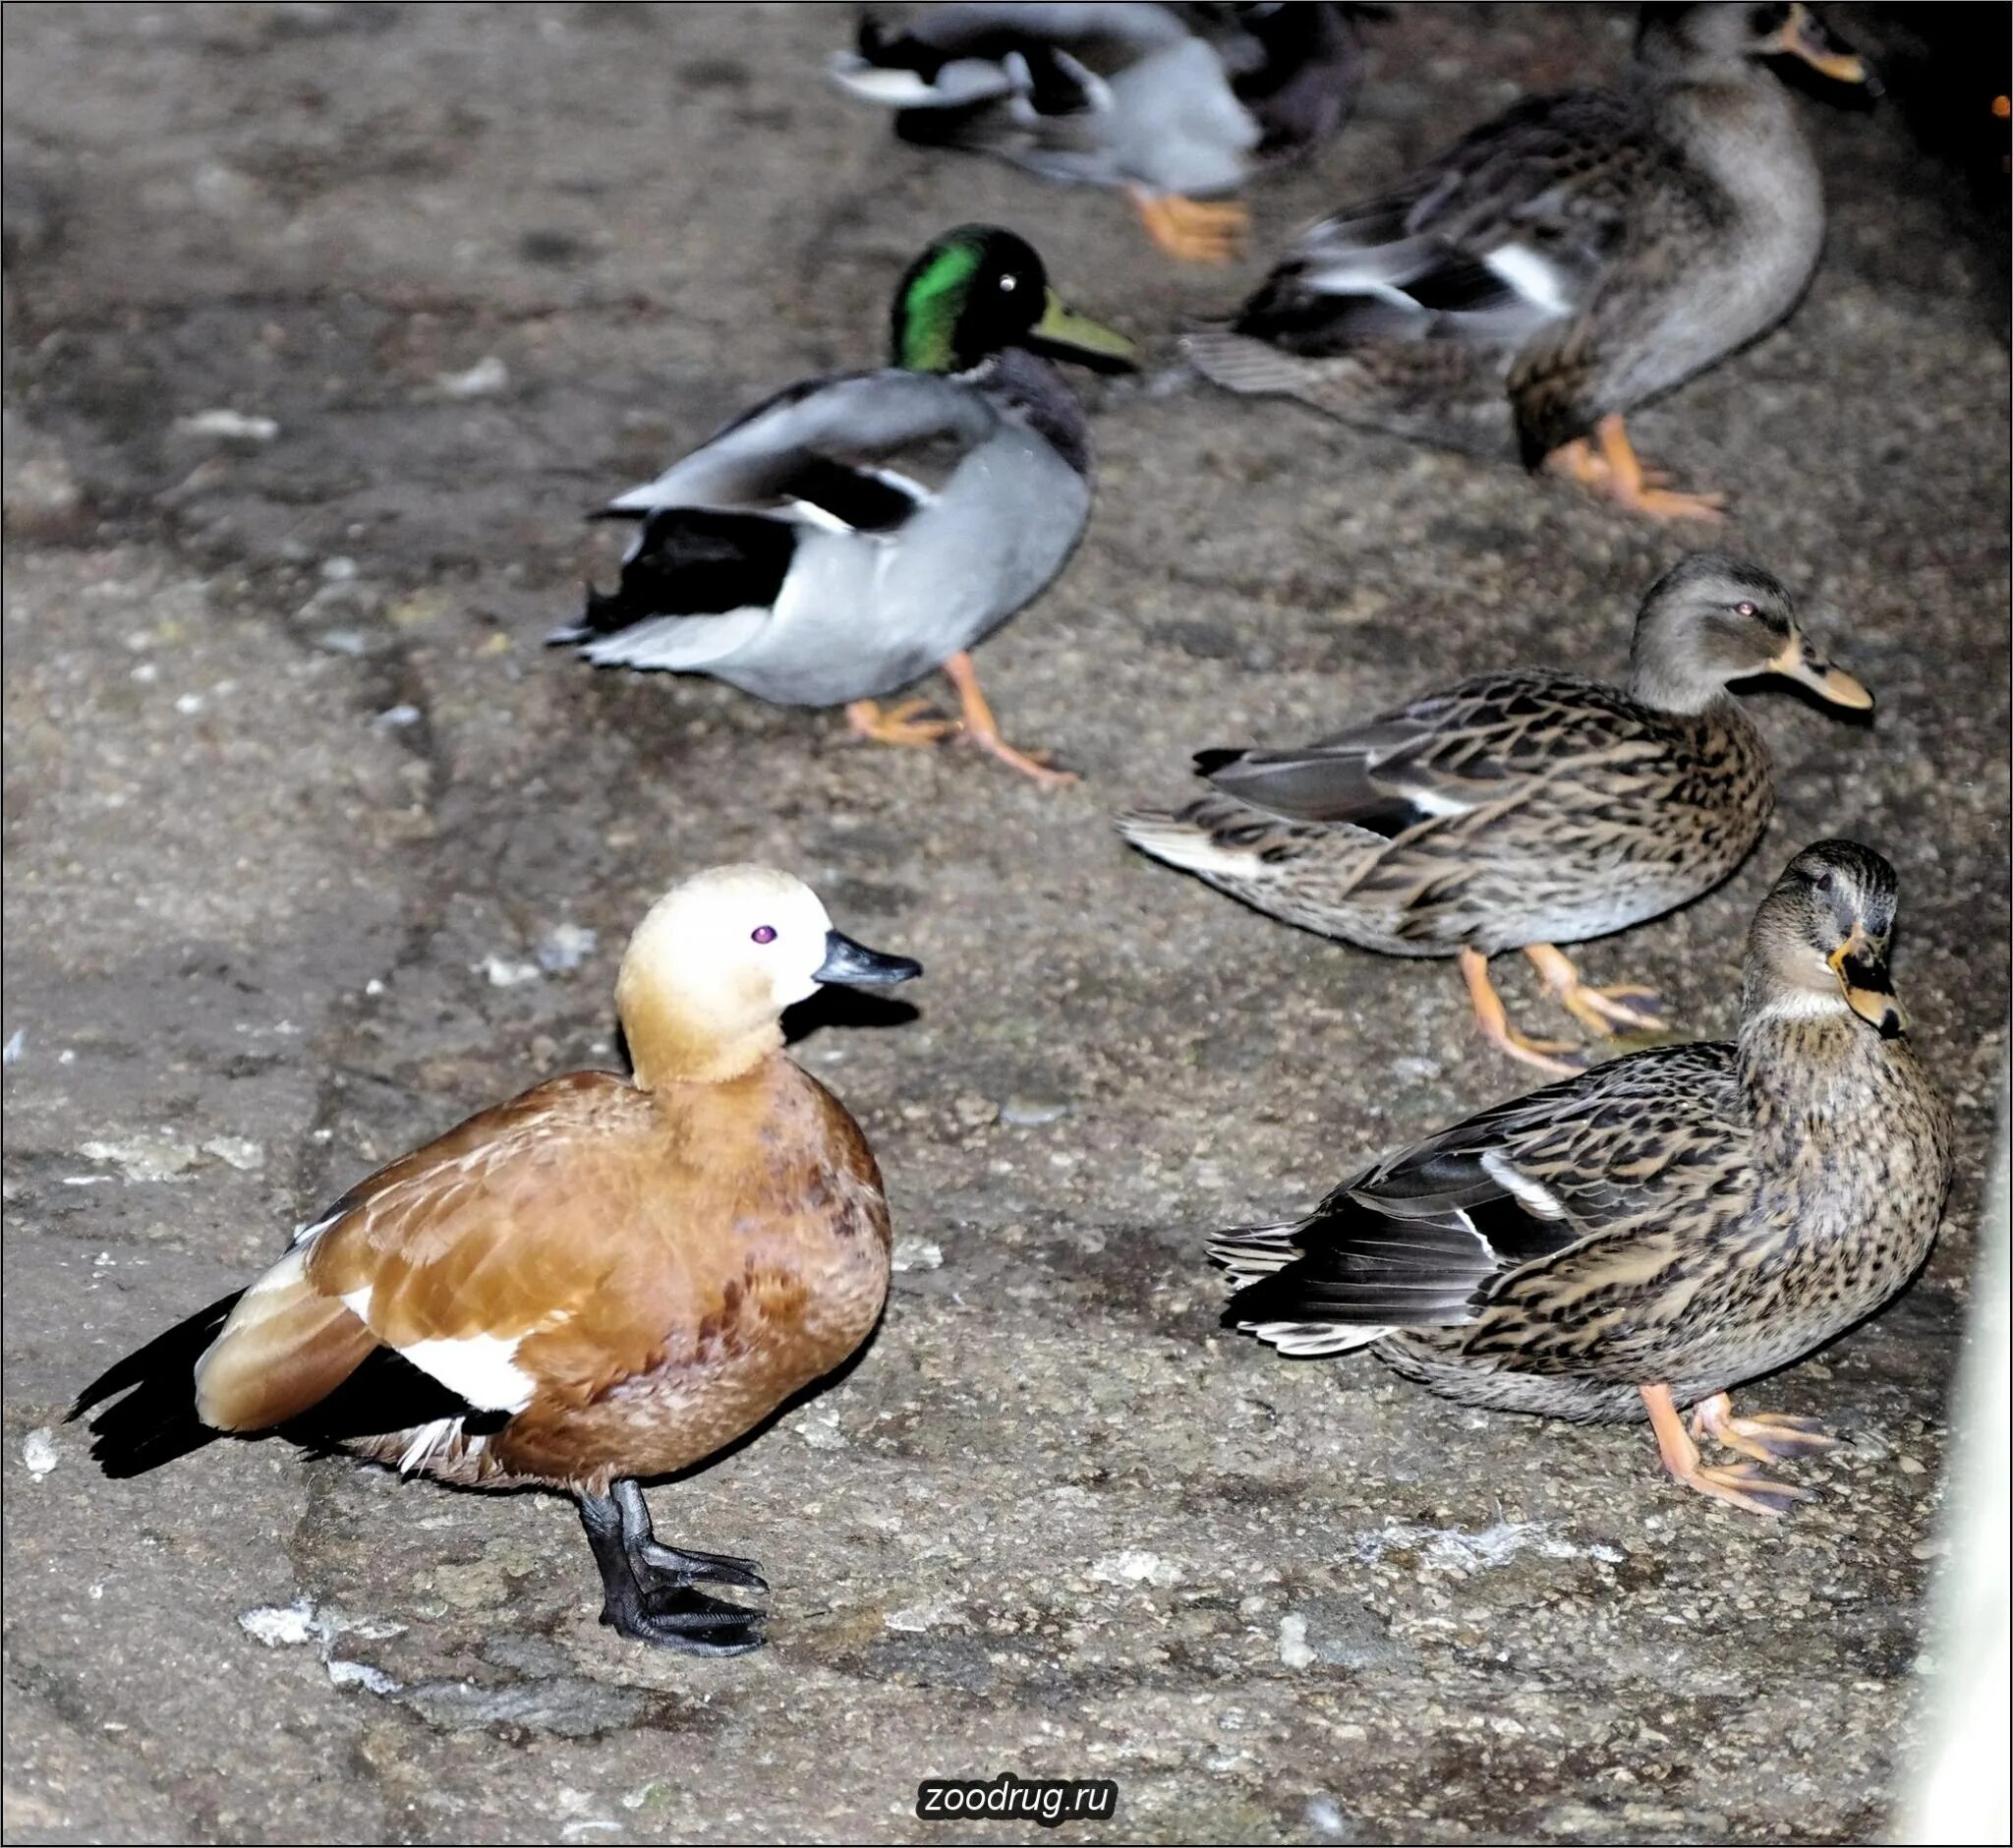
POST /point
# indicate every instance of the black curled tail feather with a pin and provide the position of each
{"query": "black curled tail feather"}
(690, 562)
(155, 1422)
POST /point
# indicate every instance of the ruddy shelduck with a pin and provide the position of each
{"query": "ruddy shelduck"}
(603, 1280)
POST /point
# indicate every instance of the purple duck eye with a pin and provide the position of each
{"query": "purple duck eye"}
(764, 932)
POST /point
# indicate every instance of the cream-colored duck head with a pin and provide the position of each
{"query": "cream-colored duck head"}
(1711, 619)
(715, 962)
(1819, 943)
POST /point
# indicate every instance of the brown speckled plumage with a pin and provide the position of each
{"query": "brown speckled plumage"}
(1572, 810)
(1689, 1216)
(1527, 807)
(1575, 257)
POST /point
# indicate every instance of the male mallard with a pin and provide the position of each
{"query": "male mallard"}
(1520, 810)
(1163, 100)
(857, 530)
(1579, 255)
(1649, 1235)
(603, 1279)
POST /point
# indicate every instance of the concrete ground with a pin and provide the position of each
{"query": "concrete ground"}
(324, 325)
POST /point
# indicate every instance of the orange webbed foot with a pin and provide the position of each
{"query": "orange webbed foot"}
(980, 728)
(1193, 230)
(1608, 464)
(913, 723)
(1767, 1436)
(1625, 1006)
(1559, 1058)
(1740, 1484)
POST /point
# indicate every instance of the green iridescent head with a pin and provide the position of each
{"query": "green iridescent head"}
(978, 289)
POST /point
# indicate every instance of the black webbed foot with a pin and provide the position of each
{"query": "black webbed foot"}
(649, 1591)
(683, 1618)
(677, 1564)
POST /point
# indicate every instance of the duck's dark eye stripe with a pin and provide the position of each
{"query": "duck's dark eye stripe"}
(764, 932)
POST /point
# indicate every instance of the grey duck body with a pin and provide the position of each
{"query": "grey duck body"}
(885, 520)
(1180, 99)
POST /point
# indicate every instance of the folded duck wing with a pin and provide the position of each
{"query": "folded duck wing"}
(1449, 753)
(1556, 1195)
(861, 423)
(720, 530)
(413, 1298)
(1506, 233)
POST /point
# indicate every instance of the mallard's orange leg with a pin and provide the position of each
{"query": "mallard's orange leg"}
(1195, 230)
(1764, 1435)
(1600, 1009)
(1554, 1055)
(1740, 1482)
(983, 731)
(1607, 463)
(898, 725)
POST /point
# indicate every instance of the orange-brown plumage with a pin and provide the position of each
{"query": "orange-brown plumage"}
(601, 1279)
(671, 1265)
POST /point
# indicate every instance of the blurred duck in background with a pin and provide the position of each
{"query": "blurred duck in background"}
(1579, 256)
(1167, 102)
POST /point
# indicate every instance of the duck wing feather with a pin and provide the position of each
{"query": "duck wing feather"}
(1571, 1191)
(1508, 231)
(1484, 741)
(719, 531)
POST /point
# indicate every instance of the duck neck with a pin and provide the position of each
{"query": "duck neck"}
(668, 1046)
(1809, 1068)
(1670, 684)
(1740, 123)
(1030, 388)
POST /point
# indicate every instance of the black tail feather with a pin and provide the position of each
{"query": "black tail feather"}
(386, 1393)
(1346, 1300)
(156, 1422)
(692, 561)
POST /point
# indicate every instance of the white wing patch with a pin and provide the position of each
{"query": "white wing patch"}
(1528, 1194)
(305, 1233)
(1530, 276)
(1315, 1337)
(481, 1369)
(1442, 801)
(810, 513)
(892, 89)
(902, 484)
(1349, 280)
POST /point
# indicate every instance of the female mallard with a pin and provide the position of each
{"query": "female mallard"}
(1650, 1234)
(857, 530)
(1163, 100)
(603, 1278)
(1579, 255)
(1520, 810)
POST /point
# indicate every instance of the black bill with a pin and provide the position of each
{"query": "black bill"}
(848, 961)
